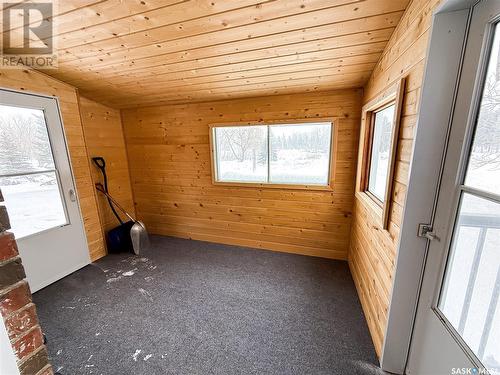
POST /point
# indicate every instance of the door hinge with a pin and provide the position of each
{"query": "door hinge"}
(425, 231)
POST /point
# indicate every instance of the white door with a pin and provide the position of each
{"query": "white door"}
(37, 183)
(457, 328)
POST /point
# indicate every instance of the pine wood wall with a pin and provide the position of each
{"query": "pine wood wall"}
(372, 252)
(169, 162)
(168, 148)
(35, 82)
(104, 137)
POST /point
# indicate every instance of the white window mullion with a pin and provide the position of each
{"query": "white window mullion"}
(268, 154)
(27, 173)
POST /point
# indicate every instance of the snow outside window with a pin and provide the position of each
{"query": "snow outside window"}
(28, 175)
(380, 151)
(284, 154)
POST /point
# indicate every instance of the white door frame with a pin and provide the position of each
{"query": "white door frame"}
(84, 258)
(437, 99)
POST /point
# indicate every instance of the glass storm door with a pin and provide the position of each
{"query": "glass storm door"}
(457, 328)
(37, 185)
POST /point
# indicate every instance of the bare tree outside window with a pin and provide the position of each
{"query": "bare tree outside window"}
(241, 153)
(380, 152)
(297, 153)
(24, 142)
(484, 165)
(27, 172)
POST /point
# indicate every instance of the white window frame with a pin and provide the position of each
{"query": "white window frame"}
(391, 96)
(290, 122)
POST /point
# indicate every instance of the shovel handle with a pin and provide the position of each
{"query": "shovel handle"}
(99, 162)
(100, 188)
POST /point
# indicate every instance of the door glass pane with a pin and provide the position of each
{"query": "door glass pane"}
(27, 172)
(469, 298)
(300, 154)
(484, 164)
(33, 202)
(24, 141)
(241, 153)
(380, 152)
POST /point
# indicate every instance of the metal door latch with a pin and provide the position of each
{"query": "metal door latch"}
(72, 195)
(425, 231)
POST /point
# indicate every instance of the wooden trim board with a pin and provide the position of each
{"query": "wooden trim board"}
(269, 185)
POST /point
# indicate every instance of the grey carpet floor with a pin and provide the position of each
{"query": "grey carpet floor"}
(191, 307)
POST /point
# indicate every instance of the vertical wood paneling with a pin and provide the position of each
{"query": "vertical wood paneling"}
(169, 154)
(104, 137)
(32, 81)
(373, 250)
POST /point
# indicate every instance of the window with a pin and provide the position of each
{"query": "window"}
(296, 155)
(380, 151)
(28, 175)
(379, 135)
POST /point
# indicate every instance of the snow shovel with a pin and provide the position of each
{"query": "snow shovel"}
(117, 239)
(138, 233)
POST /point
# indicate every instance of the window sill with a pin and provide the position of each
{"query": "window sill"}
(274, 186)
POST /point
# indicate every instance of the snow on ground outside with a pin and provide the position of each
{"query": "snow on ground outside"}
(33, 207)
(290, 166)
(377, 185)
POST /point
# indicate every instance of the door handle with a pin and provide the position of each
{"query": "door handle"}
(72, 195)
(432, 236)
(426, 231)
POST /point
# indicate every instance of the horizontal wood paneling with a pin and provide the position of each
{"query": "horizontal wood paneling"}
(32, 81)
(372, 252)
(132, 53)
(104, 137)
(169, 154)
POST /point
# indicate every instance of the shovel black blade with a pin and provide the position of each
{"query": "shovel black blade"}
(118, 239)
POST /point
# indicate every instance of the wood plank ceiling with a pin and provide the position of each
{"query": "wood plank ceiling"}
(141, 52)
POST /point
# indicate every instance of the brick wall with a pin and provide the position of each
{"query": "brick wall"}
(17, 308)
